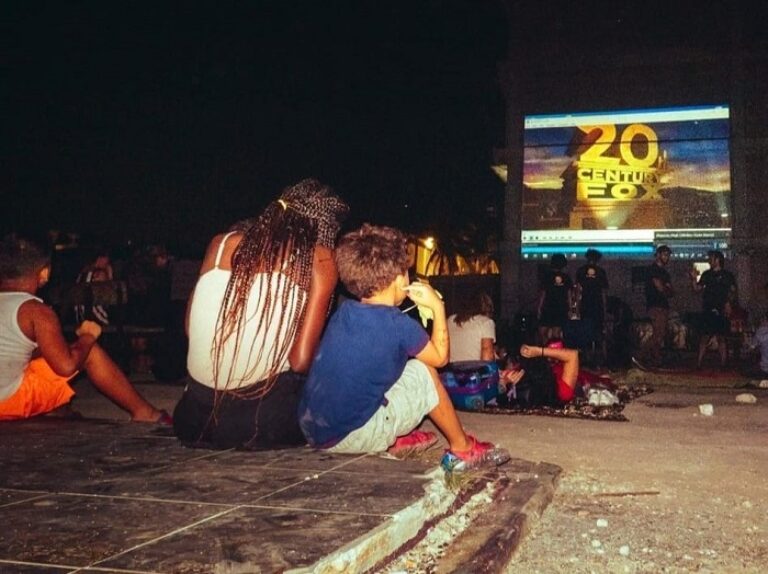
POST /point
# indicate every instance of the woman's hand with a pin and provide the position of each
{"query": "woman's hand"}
(529, 351)
(512, 376)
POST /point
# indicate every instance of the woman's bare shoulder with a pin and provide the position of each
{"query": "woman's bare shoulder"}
(230, 245)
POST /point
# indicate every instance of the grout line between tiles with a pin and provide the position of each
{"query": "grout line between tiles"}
(318, 510)
(316, 476)
(24, 490)
(71, 569)
(212, 454)
(31, 498)
(113, 570)
(217, 504)
(163, 537)
(41, 564)
(147, 499)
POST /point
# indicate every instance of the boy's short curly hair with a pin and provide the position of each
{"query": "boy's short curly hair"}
(20, 258)
(370, 258)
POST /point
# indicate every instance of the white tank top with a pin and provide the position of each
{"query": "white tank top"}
(251, 365)
(15, 347)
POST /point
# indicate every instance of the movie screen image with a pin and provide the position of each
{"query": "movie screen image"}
(625, 181)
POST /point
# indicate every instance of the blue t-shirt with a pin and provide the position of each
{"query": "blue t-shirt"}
(361, 355)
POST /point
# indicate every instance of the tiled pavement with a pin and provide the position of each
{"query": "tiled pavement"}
(103, 496)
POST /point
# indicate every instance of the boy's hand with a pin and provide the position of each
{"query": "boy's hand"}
(423, 295)
(89, 328)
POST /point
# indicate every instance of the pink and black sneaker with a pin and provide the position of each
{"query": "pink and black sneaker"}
(414, 442)
(481, 455)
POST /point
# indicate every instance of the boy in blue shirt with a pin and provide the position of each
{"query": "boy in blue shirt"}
(364, 392)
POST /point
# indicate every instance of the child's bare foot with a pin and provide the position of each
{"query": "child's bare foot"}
(160, 417)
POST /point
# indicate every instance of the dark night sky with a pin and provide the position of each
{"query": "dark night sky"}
(169, 122)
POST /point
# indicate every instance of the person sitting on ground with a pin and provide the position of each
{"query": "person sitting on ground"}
(36, 362)
(98, 270)
(365, 393)
(254, 321)
(471, 329)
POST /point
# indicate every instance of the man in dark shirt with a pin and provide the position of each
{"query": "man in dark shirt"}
(555, 299)
(592, 290)
(658, 291)
(718, 289)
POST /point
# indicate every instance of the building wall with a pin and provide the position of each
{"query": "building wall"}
(551, 80)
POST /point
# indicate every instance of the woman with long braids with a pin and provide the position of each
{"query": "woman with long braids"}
(254, 321)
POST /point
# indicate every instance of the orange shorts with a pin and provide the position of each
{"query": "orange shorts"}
(41, 391)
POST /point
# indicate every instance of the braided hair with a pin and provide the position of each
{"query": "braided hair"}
(275, 252)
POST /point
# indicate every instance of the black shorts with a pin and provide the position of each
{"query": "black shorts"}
(714, 323)
(267, 422)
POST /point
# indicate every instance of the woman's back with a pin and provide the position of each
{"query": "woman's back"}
(467, 338)
(248, 357)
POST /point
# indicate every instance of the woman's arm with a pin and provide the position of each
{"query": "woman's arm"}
(487, 352)
(569, 358)
(324, 278)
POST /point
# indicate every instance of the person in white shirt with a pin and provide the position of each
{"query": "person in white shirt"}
(36, 361)
(254, 321)
(472, 331)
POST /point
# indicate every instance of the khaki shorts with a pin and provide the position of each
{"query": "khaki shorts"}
(409, 400)
(40, 392)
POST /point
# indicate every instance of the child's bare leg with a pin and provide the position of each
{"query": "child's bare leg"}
(107, 377)
(445, 418)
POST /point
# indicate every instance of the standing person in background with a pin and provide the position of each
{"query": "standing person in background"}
(718, 289)
(592, 294)
(471, 329)
(555, 299)
(759, 341)
(658, 292)
(254, 321)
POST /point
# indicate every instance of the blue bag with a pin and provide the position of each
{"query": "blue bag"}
(471, 384)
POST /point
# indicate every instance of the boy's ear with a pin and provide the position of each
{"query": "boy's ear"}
(43, 276)
(402, 280)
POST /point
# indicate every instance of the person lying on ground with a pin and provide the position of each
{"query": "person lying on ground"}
(373, 378)
(550, 376)
(36, 361)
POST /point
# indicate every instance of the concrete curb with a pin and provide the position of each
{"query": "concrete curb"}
(520, 494)
(496, 534)
(365, 552)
